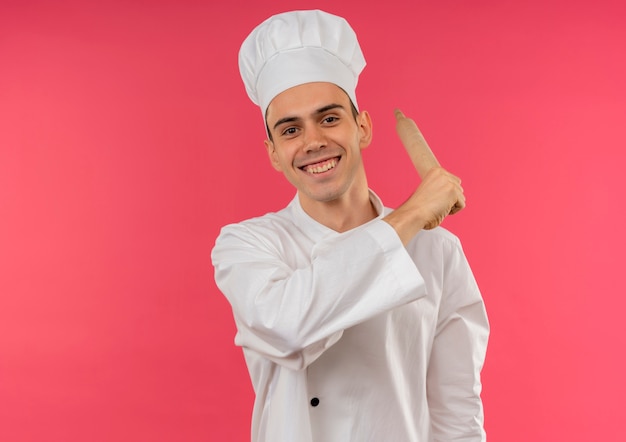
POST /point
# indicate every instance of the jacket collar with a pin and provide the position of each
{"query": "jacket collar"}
(317, 231)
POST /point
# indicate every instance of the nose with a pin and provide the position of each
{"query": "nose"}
(314, 138)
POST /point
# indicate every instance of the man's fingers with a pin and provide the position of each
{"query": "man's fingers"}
(458, 206)
(460, 203)
(421, 156)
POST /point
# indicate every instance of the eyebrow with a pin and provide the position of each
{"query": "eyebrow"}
(321, 110)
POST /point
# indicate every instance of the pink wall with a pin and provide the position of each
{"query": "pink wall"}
(126, 141)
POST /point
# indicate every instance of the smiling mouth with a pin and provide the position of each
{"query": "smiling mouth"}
(321, 167)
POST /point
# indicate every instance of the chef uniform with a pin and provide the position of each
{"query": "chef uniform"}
(348, 337)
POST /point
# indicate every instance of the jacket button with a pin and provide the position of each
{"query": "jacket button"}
(315, 402)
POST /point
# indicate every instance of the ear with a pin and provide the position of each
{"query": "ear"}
(364, 121)
(273, 156)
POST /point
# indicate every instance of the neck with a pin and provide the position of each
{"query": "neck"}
(344, 213)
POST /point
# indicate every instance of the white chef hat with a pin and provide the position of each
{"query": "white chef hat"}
(298, 47)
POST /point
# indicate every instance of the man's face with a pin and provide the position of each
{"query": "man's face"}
(316, 141)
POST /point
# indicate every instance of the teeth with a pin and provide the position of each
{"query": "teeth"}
(322, 168)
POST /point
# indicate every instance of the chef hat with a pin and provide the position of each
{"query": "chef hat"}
(298, 47)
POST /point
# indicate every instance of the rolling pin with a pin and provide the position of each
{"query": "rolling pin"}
(421, 155)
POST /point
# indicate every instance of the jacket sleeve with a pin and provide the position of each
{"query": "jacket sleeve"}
(292, 313)
(458, 353)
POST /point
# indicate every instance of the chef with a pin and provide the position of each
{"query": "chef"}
(357, 322)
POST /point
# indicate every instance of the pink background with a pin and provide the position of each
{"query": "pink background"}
(127, 140)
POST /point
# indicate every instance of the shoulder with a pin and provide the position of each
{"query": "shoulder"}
(264, 225)
(269, 232)
(438, 235)
(437, 245)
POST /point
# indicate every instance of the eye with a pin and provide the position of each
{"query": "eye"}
(330, 119)
(289, 131)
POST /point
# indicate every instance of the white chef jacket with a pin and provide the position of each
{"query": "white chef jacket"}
(351, 337)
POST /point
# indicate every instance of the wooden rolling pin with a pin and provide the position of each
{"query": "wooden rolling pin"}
(421, 155)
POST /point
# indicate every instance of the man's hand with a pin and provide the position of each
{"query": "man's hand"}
(439, 194)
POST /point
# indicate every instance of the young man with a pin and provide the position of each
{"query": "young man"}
(357, 323)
